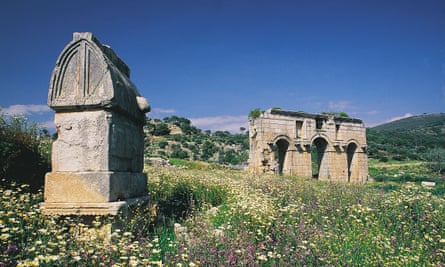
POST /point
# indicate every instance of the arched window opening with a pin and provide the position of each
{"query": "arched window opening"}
(282, 146)
(352, 147)
(318, 149)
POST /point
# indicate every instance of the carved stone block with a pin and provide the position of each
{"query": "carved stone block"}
(97, 159)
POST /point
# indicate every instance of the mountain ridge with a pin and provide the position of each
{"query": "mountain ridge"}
(415, 122)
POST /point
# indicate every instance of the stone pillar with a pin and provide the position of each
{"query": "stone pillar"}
(97, 159)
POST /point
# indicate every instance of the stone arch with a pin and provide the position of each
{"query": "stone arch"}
(352, 160)
(320, 157)
(281, 144)
(283, 141)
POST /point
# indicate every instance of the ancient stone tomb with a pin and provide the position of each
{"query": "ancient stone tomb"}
(321, 146)
(97, 159)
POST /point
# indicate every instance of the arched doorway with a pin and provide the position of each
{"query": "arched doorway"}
(282, 146)
(352, 166)
(318, 149)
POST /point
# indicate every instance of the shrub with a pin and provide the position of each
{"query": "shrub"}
(161, 129)
(24, 151)
(383, 159)
(208, 150)
(255, 113)
(178, 152)
(343, 114)
(399, 157)
(435, 159)
(163, 144)
(178, 198)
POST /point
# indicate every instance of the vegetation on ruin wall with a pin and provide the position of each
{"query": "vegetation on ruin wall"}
(234, 219)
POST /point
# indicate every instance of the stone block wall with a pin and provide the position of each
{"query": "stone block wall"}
(284, 141)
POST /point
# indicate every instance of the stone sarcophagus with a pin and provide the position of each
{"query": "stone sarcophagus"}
(97, 159)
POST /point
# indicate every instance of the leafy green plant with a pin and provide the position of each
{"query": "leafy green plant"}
(343, 114)
(24, 151)
(161, 129)
(435, 159)
(178, 152)
(255, 113)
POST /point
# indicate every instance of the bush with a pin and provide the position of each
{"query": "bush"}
(383, 159)
(435, 159)
(177, 199)
(255, 113)
(24, 151)
(399, 157)
(208, 150)
(178, 152)
(161, 129)
(163, 144)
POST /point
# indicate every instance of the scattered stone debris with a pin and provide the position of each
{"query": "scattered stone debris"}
(428, 184)
(181, 232)
(158, 162)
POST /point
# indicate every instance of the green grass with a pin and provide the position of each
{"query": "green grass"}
(232, 218)
(392, 174)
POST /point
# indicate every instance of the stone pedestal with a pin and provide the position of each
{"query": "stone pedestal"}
(97, 159)
(93, 208)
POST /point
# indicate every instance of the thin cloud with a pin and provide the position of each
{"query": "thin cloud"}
(163, 111)
(407, 115)
(372, 112)
(339, 105)
(221, 123)
(48, 125)
(25, 109)
(377, 123)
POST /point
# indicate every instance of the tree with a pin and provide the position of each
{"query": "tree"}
(208, 150)
(161, 129)
(435, 159)
(178, 152)
(183, 123)
(163, 144)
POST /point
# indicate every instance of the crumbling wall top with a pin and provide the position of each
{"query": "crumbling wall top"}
(302, 114)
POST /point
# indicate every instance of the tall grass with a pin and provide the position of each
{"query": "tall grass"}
(230, 218)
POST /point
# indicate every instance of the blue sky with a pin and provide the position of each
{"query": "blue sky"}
(215, 60)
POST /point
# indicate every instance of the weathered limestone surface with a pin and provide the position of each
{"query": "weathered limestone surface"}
(97, 159)
(84, 187)
(97, 140)
(283, 141)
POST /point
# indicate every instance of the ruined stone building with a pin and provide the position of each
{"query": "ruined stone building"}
(321, 146)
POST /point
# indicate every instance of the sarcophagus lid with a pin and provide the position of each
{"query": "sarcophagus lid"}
(89, 75)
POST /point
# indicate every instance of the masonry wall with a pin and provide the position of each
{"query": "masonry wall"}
(341, 141)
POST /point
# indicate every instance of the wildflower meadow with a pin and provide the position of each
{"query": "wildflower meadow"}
(212, 216)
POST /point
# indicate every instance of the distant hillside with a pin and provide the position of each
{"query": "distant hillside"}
(175, 137)
(408, 138)
(420, 122)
